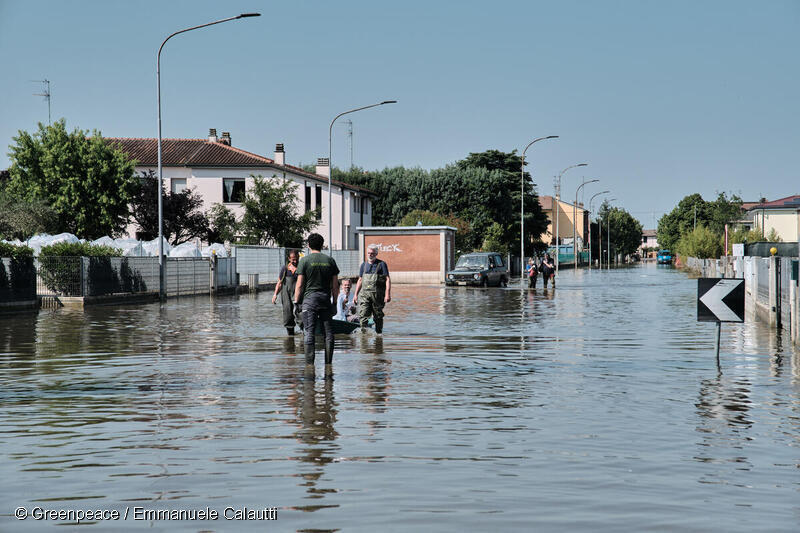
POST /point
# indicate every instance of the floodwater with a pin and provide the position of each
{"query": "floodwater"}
(597, 406)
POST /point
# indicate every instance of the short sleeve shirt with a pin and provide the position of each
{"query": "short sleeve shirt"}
(317, 270)
(378, 267)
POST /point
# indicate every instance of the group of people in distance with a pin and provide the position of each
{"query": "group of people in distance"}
(310, 293)
(546, 268)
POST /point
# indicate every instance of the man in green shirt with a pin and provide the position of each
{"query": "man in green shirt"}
(317, 288)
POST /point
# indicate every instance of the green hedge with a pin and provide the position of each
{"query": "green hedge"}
(60, 264)
(12, 250)
(79, 249)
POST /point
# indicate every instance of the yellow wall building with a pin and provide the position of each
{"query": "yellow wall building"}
(553, 207)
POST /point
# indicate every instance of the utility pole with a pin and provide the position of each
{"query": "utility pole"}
(46, 93)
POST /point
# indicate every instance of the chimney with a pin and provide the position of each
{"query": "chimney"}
(212, 135)
(323, 167)
(226, 138)
(280, 155)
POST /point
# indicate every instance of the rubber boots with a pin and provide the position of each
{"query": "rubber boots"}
(329, 352)
(309, 354)
(378, 325)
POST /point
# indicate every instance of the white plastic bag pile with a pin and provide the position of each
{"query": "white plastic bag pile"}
(129, 247)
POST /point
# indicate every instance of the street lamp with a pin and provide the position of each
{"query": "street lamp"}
(575, 225)
(162, 293)
(558, 205)
(522, 204)
(590, 224)
(330, 165)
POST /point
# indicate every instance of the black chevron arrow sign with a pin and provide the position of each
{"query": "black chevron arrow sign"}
(720, 300)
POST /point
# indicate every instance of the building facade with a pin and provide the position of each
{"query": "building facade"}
(570, 218)
(222, 174)
(782, 216)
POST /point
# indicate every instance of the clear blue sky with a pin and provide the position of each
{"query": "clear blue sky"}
(662, 99)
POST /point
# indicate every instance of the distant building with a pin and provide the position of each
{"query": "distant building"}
(221, 173)
(649, 240)
(782, 215)
(555, 207)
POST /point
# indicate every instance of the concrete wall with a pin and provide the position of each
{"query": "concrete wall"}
(414, 254)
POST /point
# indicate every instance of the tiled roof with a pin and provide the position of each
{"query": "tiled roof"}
(648, 233)
(188, 153)
(205, 153)
(547, 203)
(789, 201)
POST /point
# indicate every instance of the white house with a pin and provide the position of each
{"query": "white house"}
(221, 173)
(781, 215)
(649, 240)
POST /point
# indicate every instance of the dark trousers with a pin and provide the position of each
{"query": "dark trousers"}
(317, 307)
(532, 281)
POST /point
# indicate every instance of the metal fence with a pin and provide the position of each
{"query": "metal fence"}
(261, 260)
(348, 261)
(100, 276)
(267, 261)
(17, 279)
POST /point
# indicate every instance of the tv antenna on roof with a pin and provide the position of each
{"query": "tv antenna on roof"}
(46, 93)
(350, 137)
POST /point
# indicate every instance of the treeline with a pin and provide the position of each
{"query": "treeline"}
(696, 227)
(61, 181)
(480, 195)
(73, 182)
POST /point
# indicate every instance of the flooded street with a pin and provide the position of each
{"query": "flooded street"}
(596, 406)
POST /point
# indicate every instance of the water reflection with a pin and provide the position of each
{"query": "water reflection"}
(577, 398)
(316, 411)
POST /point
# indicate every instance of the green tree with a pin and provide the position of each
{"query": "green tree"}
(21, 219)
(482, 189)
(494, 242)
(87, 182)
(507, 206)
(463, 235)
(182, 212)
(270, 214)
(626, 231)
(701, 242)
(693, 211)
(680, 220)
(222, 224)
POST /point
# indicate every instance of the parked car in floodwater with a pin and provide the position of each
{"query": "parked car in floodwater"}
(664, 257)
(480, 269)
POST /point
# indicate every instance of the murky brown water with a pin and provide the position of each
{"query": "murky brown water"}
(596, 406)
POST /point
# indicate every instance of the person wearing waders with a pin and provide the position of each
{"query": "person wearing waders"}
(317, 289)
(373, 290)
(287, 280)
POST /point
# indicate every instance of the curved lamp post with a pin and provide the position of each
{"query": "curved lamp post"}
(330, 165)
(558, 205)
(522, 205)
(161, 289)
(590, 224)
(575, 224)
